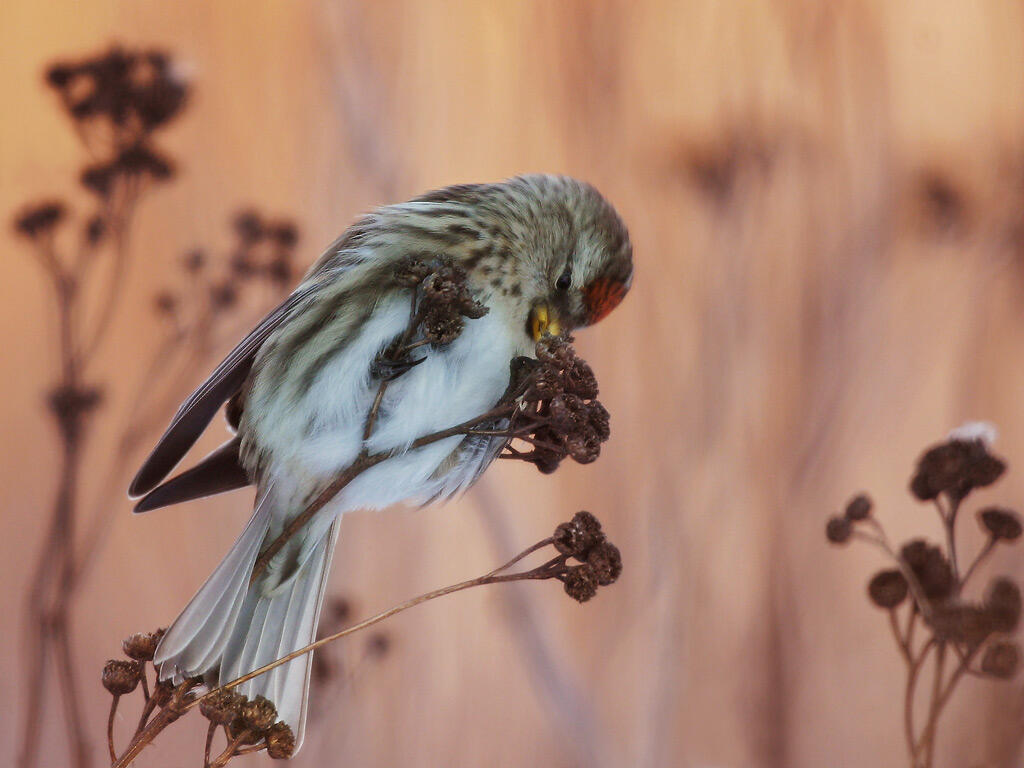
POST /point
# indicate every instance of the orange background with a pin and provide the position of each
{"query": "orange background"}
(800, 338)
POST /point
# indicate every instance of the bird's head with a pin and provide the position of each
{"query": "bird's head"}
(554, 254)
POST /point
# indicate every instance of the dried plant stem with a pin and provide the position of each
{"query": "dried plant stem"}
(913, 671)
(901, 639)
(210, 732)
(110, 727)
(164, 718)
(229, 751)
(541, 572)
(982, 555)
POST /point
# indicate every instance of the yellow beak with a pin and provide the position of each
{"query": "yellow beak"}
(543, 322)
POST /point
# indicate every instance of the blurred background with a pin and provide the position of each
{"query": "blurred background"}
(826, 202)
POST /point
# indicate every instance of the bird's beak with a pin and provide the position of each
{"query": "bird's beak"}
(543, 322)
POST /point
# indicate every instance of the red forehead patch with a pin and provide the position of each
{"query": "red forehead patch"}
(602, 296)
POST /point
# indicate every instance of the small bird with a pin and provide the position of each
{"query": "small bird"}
(543, 254)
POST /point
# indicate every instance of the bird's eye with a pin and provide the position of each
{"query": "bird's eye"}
(563, 282)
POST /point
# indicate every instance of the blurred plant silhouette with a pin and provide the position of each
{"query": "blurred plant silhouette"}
(930, 581)
(117, 102)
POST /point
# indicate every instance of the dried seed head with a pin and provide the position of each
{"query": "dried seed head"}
(378, 645)
(441, 325)
(223, 295)
(558, 409)
(838, 529)
(1000, 523)
(858, 508)
(222, 706)
(239, 730)
(930, 567)
(258, 715)
(581, 583)
(194, 260)
(411, 273)
(165, 303)
(1003, 602)
(445, 298)
(340, 610)
(606, 560)
(120, 677)
(40, 218)
(95, 229)
(1001, 659)
(285, 234)
(887, 589)
(280, 742)
(578, 536)
(956, 468)
(142, 645)
(248, 226)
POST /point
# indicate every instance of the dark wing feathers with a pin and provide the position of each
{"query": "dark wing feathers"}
(196, 412)
(219, 472)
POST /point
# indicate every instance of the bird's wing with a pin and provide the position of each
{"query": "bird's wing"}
(219, 472)
(196, 412)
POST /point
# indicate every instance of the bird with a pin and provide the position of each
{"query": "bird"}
(543, 254)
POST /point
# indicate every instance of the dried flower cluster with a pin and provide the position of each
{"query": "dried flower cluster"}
(248, 725)
(444, 297)
(584, 561)
(928, 580)
(441, 302)
(263, 255)
(558, 413)
(583, 539)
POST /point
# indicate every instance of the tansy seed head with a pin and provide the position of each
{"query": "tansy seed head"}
(121, 677)
(280, 741)
(1003, 602)
(258, 714)
(838, 530)
(378, 645)
(142, 645)
(859, 508)
(606, 561)
(887, 589)
(239, 730)
(578, 536)
(1001, 660)
(581, 583)
(222, 706)
(956, 468)
(930, 567)
(1000, 523)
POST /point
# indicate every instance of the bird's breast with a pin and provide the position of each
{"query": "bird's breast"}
(305, 417)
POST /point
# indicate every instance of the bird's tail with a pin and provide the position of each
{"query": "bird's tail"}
(232, 627)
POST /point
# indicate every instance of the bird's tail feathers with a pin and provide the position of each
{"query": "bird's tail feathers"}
(231, 628)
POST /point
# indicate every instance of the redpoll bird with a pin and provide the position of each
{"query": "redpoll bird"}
(543, 254)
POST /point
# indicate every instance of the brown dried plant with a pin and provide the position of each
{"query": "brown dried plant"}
(117, 102)
(584, 560)
(550, 407)
(934, 622)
